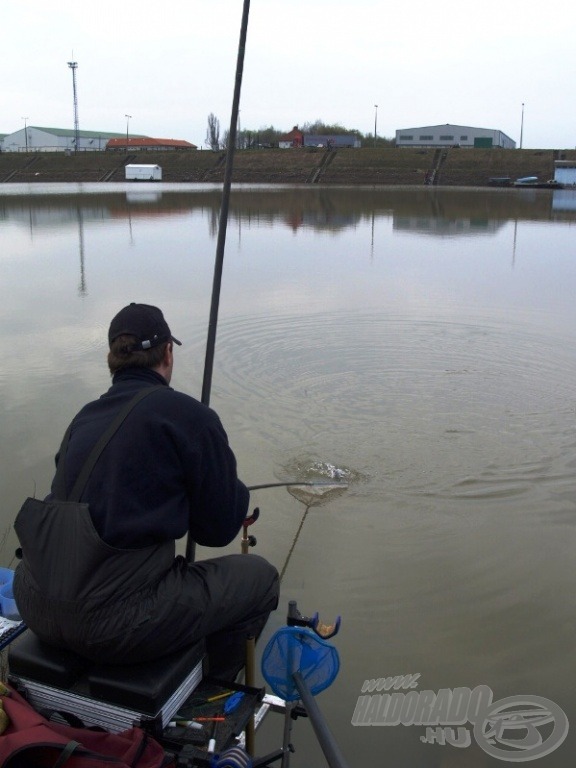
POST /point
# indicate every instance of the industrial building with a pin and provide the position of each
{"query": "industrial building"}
(35, 139)
(147, 144)
(449, 135)
(297, 138)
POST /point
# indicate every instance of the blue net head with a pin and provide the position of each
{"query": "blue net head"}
(298, 649)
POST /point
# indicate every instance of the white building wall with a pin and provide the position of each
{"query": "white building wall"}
(450, 135)
(565, 174)
(34, 139)
(14, 141)
(40, 140)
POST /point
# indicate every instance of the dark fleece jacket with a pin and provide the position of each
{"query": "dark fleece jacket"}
(167, 471)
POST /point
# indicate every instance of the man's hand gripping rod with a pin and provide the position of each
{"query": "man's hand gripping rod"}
(247, 540)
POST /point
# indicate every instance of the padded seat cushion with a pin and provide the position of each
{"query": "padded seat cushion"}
(144, 687)
(31, 658)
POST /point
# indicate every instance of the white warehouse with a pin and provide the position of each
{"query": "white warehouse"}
(35, 139)
(449, 135)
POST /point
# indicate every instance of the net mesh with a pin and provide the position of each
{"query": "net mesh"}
(297, 649)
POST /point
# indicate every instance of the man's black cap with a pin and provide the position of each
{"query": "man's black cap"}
(145, 322)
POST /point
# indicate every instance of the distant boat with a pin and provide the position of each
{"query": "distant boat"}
(533, 183)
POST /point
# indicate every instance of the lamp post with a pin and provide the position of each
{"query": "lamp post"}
(522, 125)
(74, 66)
(26, 132)
(375, 121)
(127, 129)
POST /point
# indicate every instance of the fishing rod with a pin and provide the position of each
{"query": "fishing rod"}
(222, 226)
(329, 747)
(223, 222)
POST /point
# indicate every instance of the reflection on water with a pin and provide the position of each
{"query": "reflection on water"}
(564, 200)
(419, 344)
(314, 207)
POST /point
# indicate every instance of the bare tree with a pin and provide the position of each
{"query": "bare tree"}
(213, 132)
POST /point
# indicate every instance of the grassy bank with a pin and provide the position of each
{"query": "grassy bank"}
(388, 166)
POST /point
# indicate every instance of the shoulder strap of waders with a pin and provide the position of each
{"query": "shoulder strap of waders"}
(86, 471)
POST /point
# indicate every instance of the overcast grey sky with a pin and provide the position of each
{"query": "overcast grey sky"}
(169, 65)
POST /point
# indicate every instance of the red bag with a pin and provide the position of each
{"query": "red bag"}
(32, 741)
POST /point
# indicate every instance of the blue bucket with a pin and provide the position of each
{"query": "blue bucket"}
(6, 576)
(8, 605)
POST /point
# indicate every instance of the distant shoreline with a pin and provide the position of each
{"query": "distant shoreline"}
(386, 166)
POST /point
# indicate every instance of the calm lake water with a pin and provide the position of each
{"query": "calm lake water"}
(420, 344)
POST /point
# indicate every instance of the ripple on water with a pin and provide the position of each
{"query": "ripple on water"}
(434, 407)
(332, 480)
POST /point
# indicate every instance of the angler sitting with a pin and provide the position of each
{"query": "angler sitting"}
(99, 574)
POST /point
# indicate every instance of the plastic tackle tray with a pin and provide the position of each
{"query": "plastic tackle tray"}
(210, 700)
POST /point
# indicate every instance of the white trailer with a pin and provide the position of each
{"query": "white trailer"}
(565, 172)
(143, 172)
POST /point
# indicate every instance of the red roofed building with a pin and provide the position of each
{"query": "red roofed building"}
(293, 139)
(146, 144)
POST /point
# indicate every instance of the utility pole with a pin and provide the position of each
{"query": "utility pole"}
(25, 132)
(127, 131)
(522, 125)
(74, 66)
(375, 121)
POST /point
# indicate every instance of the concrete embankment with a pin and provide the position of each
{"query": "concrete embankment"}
(387, 166)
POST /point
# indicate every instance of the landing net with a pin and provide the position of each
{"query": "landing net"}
(298, 649)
